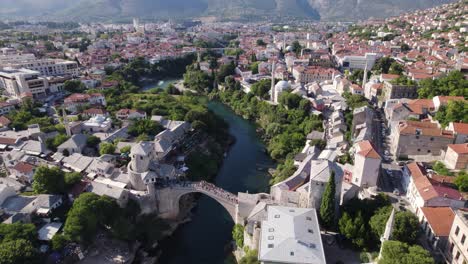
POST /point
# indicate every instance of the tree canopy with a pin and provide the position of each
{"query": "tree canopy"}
(454, 84)
(454, 111)
(48, 180)
(144, 126)
(327, 207)
(261, 88)
(396, 252)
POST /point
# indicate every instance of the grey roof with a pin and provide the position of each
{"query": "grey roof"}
(104, 189)
(76, 141)
(315, 135)
(291, 235)
(47, 200)
(34, 147)
(17, 203)
(77, 162)
(143, 148)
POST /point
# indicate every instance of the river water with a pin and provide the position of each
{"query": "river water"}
(204, 239)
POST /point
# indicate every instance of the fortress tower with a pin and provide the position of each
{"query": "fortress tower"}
(138, 169)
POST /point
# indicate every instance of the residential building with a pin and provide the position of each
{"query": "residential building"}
(308, 74)
(414, 138)
(47, 67)
(456, 156)
(23, 172)
(291, 235)
(75, 144)
(436, 223)
(424, 191)
(460, 130)
(74, 101)
(396, 91)
(20, 83)
(124, 114)
(366, 165)
(457, 249)
(354, 62)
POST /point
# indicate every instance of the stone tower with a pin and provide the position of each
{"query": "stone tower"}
(141, 155)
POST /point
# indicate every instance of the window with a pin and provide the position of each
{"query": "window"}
(308, 218)
(271, 237)
(310, 231)
(432, 139)
(428, 151)
(463, 239)
(277, 216)
(457, 256)
(457, 230)
(271, 245)
(419, 150)
(271, 229)
(291, 253)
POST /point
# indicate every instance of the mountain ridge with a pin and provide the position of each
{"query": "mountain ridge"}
(108, 10)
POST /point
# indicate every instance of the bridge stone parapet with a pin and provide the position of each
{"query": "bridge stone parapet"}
(169, 197)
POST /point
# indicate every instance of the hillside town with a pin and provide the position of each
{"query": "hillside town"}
(108, 131)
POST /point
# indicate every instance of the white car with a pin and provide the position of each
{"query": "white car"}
(387, 153)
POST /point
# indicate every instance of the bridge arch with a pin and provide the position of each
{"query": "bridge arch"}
(170, 197)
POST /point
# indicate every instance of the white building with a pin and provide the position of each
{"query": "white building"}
(457, 250)
(357, 62)
(23, 82)
(47, 67)
(291, 235)
(366, 165)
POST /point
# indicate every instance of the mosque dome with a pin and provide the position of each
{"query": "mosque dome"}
(282, 86)
(289, 48)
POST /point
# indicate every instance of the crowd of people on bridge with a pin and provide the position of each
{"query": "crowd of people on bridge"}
(209, 187)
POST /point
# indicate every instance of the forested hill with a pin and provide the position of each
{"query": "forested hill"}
(115, 10)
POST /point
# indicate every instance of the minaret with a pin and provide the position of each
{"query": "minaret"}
(388, 231)
(308, 40)
(272, 91)
(364, 79)
(66, 124)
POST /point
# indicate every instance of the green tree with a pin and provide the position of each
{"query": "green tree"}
(440, 168)
(396, 68)
(296, 47)
(353, 229)
(125, 149)
(383, 65)
(379, 220)
(74, 86)
(18, 251)
(53, 143)
(462, 181)
(355, 100)
(406, 228)
(327, 206)
(48, 180)
(59, 241)
(93, 141)
(11, 232)
(254, 67)
(290, 100)
(250, 257)
(238, 235)
(260, 42)
(319, 143)
(144, 126)
(396, 252)
(106, 148)
(71, 178)
(261, 88)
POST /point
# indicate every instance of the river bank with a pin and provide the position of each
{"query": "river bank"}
(206, 238)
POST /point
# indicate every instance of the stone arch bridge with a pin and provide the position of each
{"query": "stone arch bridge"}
(169, 197)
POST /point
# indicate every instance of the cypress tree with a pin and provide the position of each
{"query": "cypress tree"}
(327, 207)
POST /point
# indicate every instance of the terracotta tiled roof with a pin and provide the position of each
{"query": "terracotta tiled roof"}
(459, 148)
(460, 128)
(23, 167)
(430, 188)
(424, 128)
(7, 141)
(367, 150)
(440, 219)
